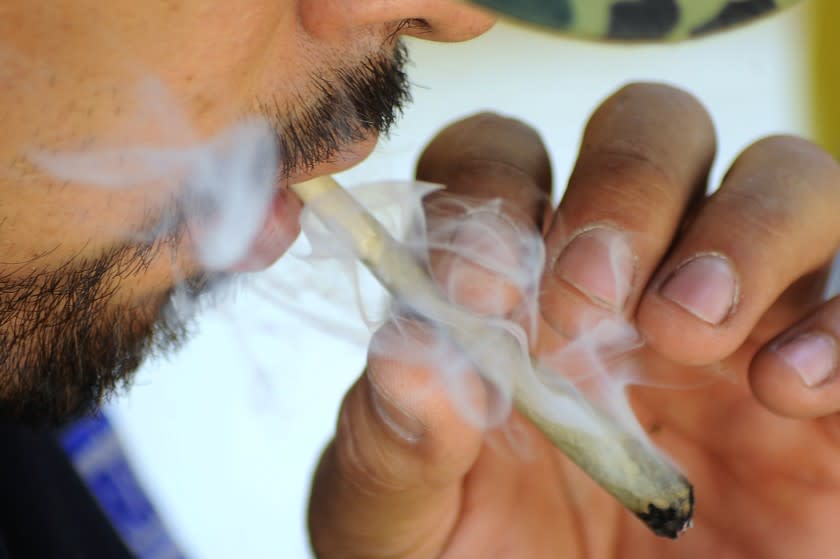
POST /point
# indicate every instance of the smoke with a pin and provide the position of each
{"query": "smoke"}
(487, 260)
(197, 209)
(221, 188)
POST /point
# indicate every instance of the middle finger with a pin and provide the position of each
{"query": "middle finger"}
(645, 155)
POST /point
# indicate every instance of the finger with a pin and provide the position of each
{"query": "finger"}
(802, 298)
(485, 226)
(773, 221)
(489, 156)
(796, 374)
(389, 484)
(645, 155)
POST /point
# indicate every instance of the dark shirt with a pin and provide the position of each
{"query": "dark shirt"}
(46, 511)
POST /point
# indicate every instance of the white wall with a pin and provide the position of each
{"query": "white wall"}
(225, 433)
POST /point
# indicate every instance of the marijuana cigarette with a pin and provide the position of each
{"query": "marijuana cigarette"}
(629, 468)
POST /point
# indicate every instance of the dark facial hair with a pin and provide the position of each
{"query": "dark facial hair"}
(354, 103)
(66, 345)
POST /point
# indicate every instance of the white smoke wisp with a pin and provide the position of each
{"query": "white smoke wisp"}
(222, 187)
(602, 361)
(486, 305)
(485, 255)
(488, 262)
(455, 224)
(599, 434)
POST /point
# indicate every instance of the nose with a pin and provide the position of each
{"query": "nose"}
(434, 20)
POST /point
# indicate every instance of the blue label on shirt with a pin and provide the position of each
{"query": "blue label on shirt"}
(97, 455)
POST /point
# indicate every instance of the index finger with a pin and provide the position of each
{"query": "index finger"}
(497, 176)
(490, 156)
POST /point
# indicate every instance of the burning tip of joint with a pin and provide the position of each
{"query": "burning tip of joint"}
(672, 521)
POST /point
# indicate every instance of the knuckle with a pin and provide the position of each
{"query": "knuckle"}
(466, 159)
(758, 212)
(655, 117)
(786, 142)
(666, 98)
(486, 129)
(795, 161)
(632, 181)
(496, 176)
(778, 182)
(629, 160)
(489, 119)
(647, 88)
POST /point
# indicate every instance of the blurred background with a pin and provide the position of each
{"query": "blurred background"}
(225, 434)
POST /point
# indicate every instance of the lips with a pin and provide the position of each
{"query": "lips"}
(279, 230)
(282, 221)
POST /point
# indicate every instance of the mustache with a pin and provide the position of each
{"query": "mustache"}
(352, 103)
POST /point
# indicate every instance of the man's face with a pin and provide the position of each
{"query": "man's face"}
(87, 272)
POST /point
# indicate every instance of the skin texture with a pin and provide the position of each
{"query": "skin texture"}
(84, 270)
(407, 477)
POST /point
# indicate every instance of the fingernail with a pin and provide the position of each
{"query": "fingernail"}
(396, 418)
(812, 355)
(705, 287)
(600, 263)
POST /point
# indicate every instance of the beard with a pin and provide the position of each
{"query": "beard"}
(66, 344)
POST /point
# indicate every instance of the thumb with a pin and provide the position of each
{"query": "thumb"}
(389, 484)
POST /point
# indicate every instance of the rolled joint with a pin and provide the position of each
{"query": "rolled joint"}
(627, 467)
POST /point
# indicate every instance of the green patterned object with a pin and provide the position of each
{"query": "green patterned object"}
(628, 20)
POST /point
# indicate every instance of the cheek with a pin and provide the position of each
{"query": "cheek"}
(117, 75)
(48, 226)
(81, 79)
(224, 51)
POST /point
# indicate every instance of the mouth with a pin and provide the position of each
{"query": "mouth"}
(281, 225)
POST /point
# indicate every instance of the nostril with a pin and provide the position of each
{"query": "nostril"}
(435, 20)
(411, 26)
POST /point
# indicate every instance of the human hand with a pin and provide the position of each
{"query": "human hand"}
(406, 476)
